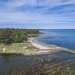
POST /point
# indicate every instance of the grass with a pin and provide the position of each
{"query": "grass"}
(17, 48)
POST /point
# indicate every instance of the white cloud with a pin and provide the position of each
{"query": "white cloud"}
(38, 15)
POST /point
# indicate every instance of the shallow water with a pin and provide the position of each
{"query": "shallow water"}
(12, 63)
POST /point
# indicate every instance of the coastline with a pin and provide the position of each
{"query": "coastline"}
(34, 47)
(46, 48)
(43, 47)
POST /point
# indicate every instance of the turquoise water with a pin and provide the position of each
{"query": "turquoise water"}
(60, 37)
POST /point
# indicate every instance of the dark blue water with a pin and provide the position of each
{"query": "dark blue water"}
(60, 37)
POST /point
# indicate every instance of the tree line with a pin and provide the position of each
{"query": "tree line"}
(16, 35)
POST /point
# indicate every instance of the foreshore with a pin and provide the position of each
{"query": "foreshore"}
(45, 48)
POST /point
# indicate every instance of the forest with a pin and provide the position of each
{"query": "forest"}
(17, 35)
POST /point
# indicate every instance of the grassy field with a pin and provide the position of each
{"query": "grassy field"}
(17, 48)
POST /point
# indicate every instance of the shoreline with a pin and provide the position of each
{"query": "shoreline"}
(38, 48)
(43, 47)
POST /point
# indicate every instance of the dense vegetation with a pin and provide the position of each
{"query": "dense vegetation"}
(16, 35)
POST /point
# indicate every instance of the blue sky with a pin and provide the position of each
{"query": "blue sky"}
(45, 14)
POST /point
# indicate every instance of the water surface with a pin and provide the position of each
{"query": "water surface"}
(60, 37)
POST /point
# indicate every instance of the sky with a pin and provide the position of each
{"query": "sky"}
(37, 14)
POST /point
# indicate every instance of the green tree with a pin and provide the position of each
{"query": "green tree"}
(7, 36)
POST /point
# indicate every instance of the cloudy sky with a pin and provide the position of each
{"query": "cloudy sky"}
(37, 14)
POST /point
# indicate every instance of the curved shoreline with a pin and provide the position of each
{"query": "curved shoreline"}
(38, 48)
(43, 46)
(46, 47)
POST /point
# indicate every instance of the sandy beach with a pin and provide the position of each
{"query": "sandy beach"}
(42, 47)
(45, 48)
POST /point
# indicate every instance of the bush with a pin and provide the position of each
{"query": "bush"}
(8, 36)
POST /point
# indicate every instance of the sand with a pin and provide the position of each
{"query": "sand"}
(45, 48)
(42, 47)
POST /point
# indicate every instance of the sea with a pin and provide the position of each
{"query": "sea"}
(59, 37)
